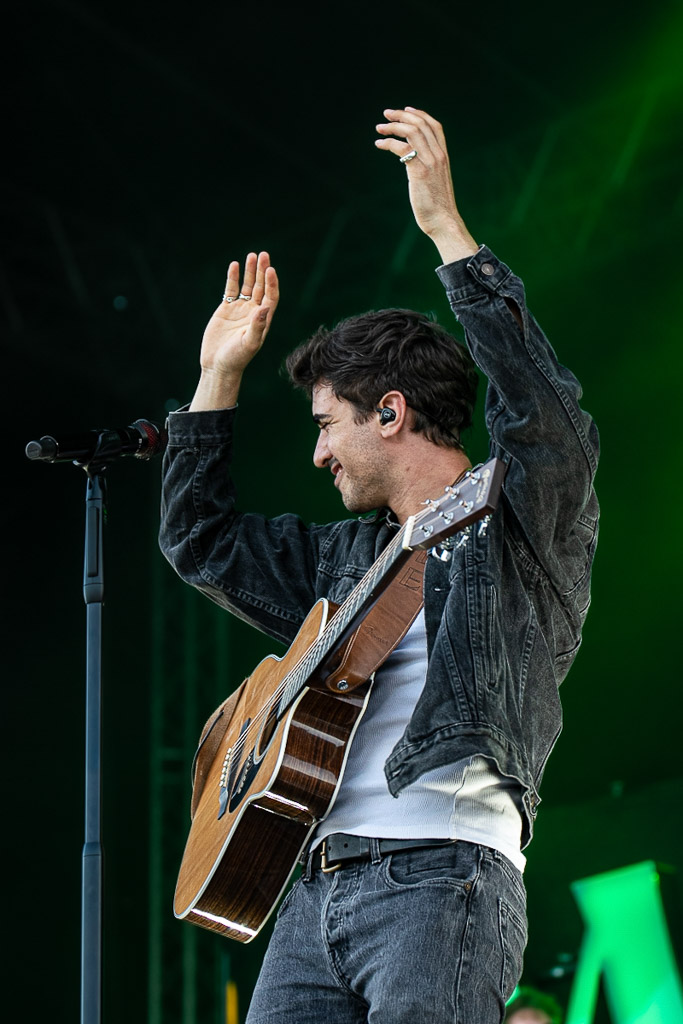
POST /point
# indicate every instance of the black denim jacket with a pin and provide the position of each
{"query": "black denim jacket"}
(503, 617)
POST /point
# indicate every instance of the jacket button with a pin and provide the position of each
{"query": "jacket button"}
(487, 268)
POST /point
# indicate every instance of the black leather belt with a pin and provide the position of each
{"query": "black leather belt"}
(339, 848)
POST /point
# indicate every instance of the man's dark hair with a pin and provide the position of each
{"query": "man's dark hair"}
(528, 998)
(364, 357)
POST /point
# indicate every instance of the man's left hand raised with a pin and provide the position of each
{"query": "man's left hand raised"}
(429, 179)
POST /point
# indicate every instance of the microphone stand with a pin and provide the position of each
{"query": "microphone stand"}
(106, 450)
(92, 862)
(94, 459)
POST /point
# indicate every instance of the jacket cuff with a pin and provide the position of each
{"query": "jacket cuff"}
(200, 428)
(480, 273)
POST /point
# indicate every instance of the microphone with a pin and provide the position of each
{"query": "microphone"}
(141, 439)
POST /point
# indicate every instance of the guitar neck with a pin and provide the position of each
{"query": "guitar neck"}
(471, 499)
(347, 617)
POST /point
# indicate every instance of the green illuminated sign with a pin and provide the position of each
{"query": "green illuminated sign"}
(627, 940)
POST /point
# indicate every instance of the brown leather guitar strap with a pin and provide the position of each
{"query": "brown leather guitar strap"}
(380, 632)
(383, 628)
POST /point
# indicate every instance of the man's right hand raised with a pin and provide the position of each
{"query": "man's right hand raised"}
(236, 331)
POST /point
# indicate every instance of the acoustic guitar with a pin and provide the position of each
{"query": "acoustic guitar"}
(277, 768)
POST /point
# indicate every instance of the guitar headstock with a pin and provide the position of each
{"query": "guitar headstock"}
(471, 499)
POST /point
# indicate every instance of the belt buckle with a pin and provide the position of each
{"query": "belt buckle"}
(323, 860)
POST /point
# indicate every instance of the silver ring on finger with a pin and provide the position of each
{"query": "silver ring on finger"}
(409, 156)
(229, 298)
(243, 296)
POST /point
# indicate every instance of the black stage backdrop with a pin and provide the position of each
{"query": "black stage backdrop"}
(146, 147)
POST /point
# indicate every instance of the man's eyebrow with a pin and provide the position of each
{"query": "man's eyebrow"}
(318, 417)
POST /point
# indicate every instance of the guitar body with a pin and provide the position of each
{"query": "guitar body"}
(271, 782)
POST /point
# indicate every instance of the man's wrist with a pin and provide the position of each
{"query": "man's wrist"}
(453, 241)
(216, 390)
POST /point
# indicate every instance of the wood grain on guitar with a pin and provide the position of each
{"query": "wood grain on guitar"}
(278, 767)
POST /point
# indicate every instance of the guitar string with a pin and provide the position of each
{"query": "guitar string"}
(304, 667)
(348, 607)
(344, 614)
(377, 569)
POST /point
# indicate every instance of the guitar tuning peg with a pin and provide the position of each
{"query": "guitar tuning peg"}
(464, 537)
(483, 526)
(443, 554)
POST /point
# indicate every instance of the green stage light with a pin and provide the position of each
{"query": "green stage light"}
(627, 941)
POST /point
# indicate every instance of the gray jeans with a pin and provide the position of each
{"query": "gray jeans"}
(433, 934)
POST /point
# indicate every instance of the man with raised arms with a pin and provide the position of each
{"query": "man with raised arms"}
(423, 915)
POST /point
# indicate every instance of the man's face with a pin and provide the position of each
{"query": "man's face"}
(354, 452)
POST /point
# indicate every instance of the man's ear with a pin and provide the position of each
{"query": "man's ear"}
(392, 409)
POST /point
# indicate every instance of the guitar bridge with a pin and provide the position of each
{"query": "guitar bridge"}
(223, 789)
